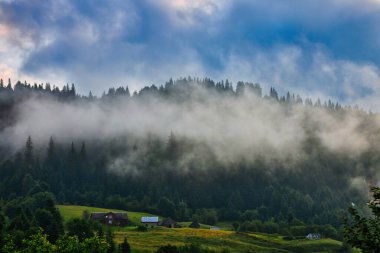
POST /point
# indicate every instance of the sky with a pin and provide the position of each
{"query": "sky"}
(324, 48)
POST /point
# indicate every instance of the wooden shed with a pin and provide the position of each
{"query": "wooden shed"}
(169, 223)
(194, 224)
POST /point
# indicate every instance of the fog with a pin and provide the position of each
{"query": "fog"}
(233, 127)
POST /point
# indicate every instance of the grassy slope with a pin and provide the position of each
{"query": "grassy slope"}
(151, 240)
(69, 212)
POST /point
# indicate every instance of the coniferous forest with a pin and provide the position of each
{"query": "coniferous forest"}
(191, 149)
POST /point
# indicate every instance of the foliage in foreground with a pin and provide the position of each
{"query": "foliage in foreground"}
(192, 248)
(66, 244)
(362, 232)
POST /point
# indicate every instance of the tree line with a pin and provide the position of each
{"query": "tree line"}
(257, 195)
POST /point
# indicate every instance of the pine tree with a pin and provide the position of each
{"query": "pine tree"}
(172, 149)
(9, 86)
(240, 87)
(50, 156)
(127, 92)
(73, 152)
(361, 232)
(28, 154)
(73, 90)
(83, 153)
(124, 247)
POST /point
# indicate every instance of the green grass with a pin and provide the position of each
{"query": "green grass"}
(218, 240)
(147, 242)
(69, 212)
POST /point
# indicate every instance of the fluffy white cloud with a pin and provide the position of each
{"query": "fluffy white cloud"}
(324, 77)
(143, 42)
(206, 6)
(189, 12)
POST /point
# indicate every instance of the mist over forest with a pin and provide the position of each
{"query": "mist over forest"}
(126, 135)
(190, 148)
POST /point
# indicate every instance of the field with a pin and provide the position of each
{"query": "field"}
(151, 240)
(235, 242)
(68, 212)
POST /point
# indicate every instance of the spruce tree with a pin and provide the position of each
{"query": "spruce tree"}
(28, 154)
(364, 232)
(124, 247)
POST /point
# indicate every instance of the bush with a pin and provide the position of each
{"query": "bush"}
(79, 227)
(168, 249)
(269, 227)
(142, 229)
(206, 216)
(192, 248)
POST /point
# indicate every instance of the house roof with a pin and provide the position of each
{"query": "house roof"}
(120, 215)
(149, 219)
(100, 215)
(168, 222)
(97, 215)
(194, 224)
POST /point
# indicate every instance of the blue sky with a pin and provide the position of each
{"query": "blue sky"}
(324, 48)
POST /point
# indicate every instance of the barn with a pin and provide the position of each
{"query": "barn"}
(110, 218)
(150, 221)
(312, 236)
(169, 223)
(194, 224)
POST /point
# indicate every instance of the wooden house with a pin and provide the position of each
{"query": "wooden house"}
(110, 218)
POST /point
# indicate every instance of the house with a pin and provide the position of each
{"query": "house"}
(214, 228)
(169, 223)
(194, 224)
(110, 218)
(150, 221)
(312, 236)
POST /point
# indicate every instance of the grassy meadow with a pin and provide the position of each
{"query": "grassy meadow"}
(221, 239)
(69, 211)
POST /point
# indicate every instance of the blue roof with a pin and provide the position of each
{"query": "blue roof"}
(149, 219)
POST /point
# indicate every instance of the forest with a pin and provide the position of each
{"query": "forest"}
(191, 149)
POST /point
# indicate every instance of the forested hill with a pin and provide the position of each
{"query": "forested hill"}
(191, 149)
(180, 88)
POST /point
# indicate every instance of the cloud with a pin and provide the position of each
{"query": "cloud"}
(320, 76)
(187, 13)
(6, 71)
(142, 42)
(232, 128)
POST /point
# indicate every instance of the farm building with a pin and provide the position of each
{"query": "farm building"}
(110, 218)
(150, 221)
(194, 224)
(169, 223)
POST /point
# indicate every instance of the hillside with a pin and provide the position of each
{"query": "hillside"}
(71, 211)
(258, 157)
(191, 149)
(218, 240)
